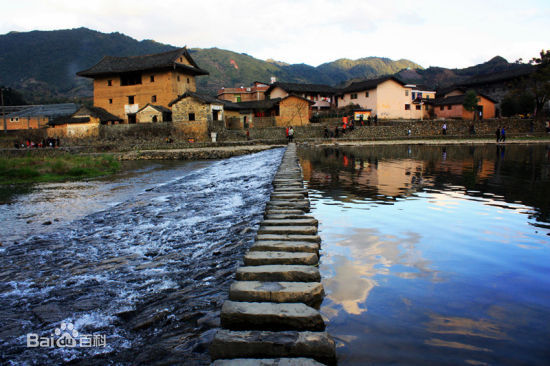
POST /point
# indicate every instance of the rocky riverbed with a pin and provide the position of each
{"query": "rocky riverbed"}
(147, 264)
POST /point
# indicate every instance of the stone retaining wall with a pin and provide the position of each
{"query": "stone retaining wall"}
(272, 316)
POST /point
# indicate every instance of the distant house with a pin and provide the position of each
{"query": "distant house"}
(36, 116)
(84, 122)
(124, 85)
(292, 110)
(154, 113)
(385, 97)
(192, 106)
(322, 95)
(499, 84)
(244, 94)
(450, 105)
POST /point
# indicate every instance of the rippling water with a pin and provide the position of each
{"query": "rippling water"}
(434, 255)
(144, 258)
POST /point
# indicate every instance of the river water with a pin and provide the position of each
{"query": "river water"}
(143, 259)
(434, 255)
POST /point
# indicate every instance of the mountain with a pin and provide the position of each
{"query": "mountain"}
(439, 77)
(42, 65)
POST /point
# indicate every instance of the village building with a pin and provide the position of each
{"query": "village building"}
(322, 95)
(35, 116)
(124, 85)
(450, 105)
(192, 106)
(498, 85)
(291, 110)
(84, 122)
(386, 97)
(154, 113)
(244, 94)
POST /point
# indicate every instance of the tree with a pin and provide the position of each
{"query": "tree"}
(537, 84)
(470, 101)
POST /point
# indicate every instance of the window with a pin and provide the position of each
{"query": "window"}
(130, 99)
(187, 80)
(109, 83)
(154, 99)
(237, 98)
(441, 108)
(353, 96)
(130, 78)
(418, 107)
(14, 119)
(110, 101)
(449, 107)
(178, 78)
(427, 96)
(367, 94)
(406, 93)
(152, 78)
(407, 107)
(191, 116)
(155, 119)
(181, 59)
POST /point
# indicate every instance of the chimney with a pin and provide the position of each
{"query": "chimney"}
(273, 80)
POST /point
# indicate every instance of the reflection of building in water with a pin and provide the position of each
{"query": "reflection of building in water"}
(483, 169)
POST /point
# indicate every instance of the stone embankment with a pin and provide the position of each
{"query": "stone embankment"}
(272, 316)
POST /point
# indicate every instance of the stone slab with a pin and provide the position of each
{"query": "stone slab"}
(280, 211)
(298, 361)
(309, 293)
(286, 222)
(289, 237)
(285, 246)
(258, 344)
(279, 272)
(260, 258)
(300, 216)
(238, 315)
(302, 230)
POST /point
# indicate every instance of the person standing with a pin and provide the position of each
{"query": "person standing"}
(503, 134)
(497, 134)
(291, 134)
(444, 129)
(287, 136)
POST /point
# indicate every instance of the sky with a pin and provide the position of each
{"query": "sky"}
(453, 34)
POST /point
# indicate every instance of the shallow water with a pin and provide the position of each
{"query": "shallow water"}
(144, 258)
(434, 255)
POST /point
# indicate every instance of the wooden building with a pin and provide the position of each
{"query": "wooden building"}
(124, 85)
(322, 96)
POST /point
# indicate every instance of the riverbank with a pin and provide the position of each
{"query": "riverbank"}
(37, 169)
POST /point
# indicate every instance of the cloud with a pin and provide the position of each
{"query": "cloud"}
(313, 32)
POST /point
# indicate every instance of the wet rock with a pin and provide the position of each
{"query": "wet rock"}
(260, 344)
(49, 313)
(299, 361)
(47, 223)
(258, 258)
(309, 293)
(270, 316)
(275, 273)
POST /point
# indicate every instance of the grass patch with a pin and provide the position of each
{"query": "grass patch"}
(32, 169)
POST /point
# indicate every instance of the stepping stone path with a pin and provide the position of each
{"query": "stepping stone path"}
(272, 315)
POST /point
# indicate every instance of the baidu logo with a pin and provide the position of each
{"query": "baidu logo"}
(66, 336)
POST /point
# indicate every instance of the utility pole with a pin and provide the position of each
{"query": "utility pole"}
(3, 110)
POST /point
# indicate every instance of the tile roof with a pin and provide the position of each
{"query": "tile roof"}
(516, 72)
(202, 97)
(47, 110)
(96, 112)
(303, 88)
(159, 108)
(369, 84)
(68, 120)
(115, 65)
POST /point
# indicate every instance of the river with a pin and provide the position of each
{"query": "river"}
(142, 260)
(434, 255)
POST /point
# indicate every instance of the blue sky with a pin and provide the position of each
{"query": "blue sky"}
(430, 33)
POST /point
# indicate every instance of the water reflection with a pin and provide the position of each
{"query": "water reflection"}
(434, 255)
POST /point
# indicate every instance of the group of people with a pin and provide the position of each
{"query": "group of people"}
(29, 144)
(289, 134)
(500, 134)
